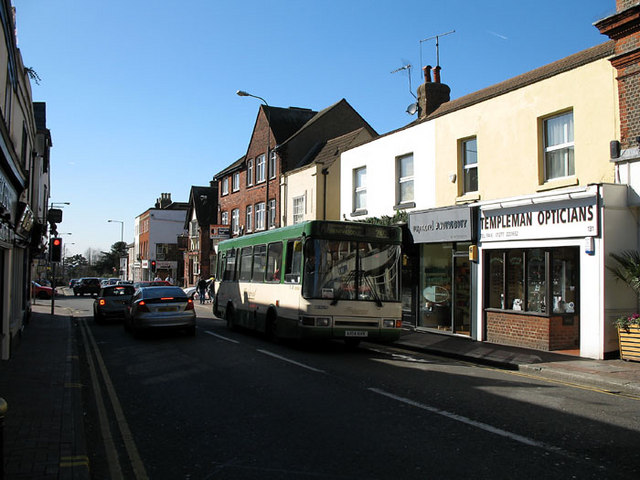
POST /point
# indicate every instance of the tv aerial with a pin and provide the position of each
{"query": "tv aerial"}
(437, 37)
(413, 108)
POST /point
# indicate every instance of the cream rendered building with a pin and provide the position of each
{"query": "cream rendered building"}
(312, 191)
(515, 207)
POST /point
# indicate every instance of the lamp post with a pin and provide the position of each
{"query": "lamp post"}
(242, 93)
(121, 228)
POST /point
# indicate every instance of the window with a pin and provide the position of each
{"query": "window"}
(224, 218)
(294, 261)
(250, 172)
(360, 188)
(249, 218)
(235, 182)
(193, 228)
(298, 209)
(534, 280)
(235, 221)
(259, 263)
(272, 164)
(274, 262)
(260, 216)
(260, 169)
(470, 165)
(405, 178)
(229, 265)
(272, 213)
(225, 186)
(246, 258)
(558, 147)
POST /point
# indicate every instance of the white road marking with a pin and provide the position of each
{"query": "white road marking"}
(474, 423)
(221, 337)
(271, 354)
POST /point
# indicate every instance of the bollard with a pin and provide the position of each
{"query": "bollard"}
(3, 412)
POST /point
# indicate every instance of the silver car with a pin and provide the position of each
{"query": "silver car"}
(111, 302)
(160, 307)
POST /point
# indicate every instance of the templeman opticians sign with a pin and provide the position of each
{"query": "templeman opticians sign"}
(563, 219)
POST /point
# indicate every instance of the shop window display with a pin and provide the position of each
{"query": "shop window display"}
(524, 280)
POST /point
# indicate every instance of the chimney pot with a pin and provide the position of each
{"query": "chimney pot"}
(436, 74)
(427, 74)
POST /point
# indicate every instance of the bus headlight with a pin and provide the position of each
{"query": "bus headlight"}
(391, 323)
(323, 322)
(315, 321)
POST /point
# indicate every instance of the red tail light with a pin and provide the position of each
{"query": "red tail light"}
(143, 306)
(102, 302)
(189, 304)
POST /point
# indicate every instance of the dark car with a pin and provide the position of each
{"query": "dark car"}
(90, 285)
(112, 302)
(160, 307)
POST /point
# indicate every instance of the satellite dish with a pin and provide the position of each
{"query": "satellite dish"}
(412, 109)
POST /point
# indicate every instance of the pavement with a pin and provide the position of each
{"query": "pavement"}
(43, 426)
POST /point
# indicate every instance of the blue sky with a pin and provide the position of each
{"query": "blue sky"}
(141, 93)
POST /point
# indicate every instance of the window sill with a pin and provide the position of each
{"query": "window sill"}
(359, 213)
(468, 197)
(404, 206)
(559, 183)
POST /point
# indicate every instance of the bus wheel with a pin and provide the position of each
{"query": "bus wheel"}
(229, 317)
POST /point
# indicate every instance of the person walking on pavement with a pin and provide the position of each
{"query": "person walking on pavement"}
(202, 289)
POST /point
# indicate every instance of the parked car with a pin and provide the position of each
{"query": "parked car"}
(160, 307)
(90, 285)
(40, 291)
(72, 282)
(112, 302)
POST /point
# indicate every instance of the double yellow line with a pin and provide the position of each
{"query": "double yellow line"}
(113, 461)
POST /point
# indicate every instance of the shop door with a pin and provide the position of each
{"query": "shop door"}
(461, 311)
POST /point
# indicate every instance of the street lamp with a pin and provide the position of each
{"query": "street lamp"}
(121, 228)
(242, 93)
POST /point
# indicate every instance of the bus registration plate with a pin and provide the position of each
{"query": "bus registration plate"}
(356, 333)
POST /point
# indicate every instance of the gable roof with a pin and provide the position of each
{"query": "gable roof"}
(204, 200)
(237, 165)
(326, 153)
(285, 122)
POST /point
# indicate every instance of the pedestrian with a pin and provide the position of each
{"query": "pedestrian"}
(170, 280)
(211, 289)
(202, 289)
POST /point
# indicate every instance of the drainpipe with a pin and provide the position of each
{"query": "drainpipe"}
(325, 172)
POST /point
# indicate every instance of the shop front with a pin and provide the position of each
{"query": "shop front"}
(444, 239)
(543, 269)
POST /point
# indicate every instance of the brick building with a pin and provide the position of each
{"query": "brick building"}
(249, 193)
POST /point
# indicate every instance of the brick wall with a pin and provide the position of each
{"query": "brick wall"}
(624, 28)
(530, 331)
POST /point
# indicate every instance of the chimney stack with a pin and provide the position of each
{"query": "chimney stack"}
(431, 94)
(427, 74)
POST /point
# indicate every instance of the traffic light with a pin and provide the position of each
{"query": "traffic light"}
(55, 249)
(153, 265)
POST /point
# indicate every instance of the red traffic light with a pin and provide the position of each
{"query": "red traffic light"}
(57, 242)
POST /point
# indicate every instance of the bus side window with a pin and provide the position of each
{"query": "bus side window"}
(274, 262)
(293, 261)
(230, 266)
(259, 263)
(246, 258)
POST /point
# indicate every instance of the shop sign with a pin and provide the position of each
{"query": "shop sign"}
(562, 219)
(219, 232)
(442, 225)
(166, 265)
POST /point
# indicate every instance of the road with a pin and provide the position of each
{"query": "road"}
(231, 405)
